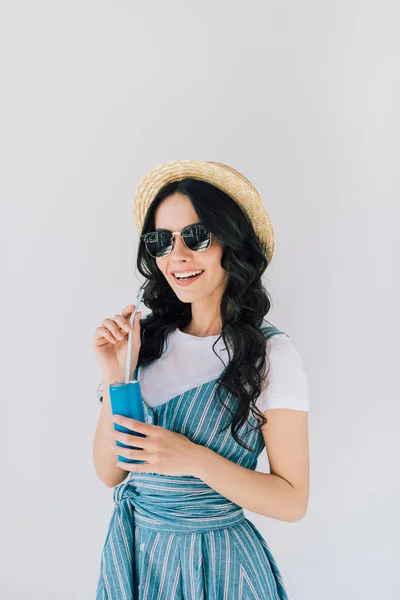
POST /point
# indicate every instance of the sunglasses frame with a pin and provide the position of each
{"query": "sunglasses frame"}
(173, 234)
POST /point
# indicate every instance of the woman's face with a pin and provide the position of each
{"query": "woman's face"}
(174, 213)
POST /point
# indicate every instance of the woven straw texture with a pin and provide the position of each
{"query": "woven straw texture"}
(223, 177)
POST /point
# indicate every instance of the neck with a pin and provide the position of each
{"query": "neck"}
(206, 320)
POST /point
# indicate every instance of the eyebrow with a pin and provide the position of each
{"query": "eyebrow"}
(170, 230)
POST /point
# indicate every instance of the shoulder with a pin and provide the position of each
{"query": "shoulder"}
(287, 380)
(280, 344)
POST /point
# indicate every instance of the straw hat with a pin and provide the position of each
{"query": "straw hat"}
(223, 177)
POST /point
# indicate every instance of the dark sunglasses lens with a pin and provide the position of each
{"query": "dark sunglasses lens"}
(196, 237)
(159, 243)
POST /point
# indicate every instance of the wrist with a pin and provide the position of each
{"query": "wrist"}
(201, 455)
(109, 378)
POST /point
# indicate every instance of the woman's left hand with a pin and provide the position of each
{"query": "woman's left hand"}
(165, 452)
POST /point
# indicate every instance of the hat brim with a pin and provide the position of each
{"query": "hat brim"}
(230, 181)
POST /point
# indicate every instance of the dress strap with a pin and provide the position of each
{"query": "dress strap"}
(271, 331)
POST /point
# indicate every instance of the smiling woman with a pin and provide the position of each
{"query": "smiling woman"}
(191, 248)
(206, 426)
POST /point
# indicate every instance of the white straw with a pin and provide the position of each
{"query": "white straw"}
(129, 353)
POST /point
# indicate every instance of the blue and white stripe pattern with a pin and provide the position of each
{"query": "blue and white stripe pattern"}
(176, 538)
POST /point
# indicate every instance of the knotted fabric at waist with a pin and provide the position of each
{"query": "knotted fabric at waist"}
(177, 504)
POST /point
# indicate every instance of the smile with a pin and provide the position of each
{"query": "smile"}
(184, 282)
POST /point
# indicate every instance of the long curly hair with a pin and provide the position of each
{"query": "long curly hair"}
(244, 304)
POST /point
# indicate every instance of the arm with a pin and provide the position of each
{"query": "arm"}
(281, 494)
(103, 457)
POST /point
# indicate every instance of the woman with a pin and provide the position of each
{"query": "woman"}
(178, 528)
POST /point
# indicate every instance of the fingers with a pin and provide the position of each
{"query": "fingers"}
(128, 310)
(123, 323)
(126, 314)
(103, 332)
(131, 424)
(117, 328)
(127, 438)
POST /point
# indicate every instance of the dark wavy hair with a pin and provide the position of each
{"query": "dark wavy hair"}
(244, 304)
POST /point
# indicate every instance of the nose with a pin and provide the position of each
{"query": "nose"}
(179, 249)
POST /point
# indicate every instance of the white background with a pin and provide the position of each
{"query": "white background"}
(302, 98)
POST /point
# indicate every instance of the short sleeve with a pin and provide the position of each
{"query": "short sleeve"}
(287, 380)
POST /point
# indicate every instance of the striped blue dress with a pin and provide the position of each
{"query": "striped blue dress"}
(175, 537)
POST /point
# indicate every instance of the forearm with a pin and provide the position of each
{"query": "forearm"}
(103, 457)
(262, 493)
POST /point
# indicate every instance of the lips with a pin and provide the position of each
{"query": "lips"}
(185, 271)
(185, 282)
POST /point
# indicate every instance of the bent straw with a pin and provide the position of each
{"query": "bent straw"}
(129, 353)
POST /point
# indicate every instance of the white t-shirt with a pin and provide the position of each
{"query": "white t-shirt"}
(190, 361)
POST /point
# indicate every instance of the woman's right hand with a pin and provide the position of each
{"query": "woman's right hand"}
(110, 343)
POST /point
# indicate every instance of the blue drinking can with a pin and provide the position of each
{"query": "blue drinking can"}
(126, 400)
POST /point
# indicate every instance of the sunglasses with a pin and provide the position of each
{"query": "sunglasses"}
(159, 243)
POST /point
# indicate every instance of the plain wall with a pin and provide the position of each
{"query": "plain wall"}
(302, 98)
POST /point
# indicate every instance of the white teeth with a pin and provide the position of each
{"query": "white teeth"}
(188, 274)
